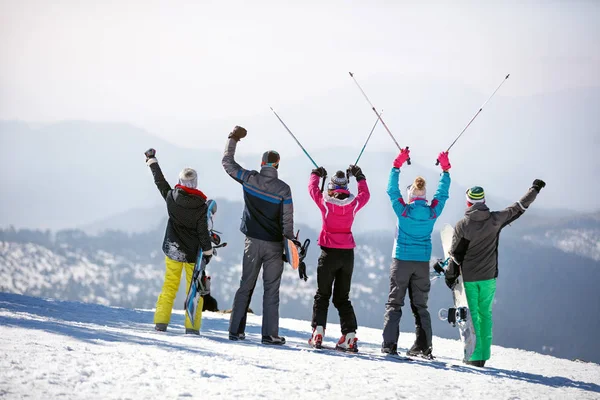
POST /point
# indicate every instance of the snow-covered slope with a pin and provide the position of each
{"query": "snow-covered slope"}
(127, 271)
(57, 349)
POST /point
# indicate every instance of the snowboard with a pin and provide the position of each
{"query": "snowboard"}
(459, 315)
(196, 289)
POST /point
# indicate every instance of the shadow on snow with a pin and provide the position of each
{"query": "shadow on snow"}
(69, 319)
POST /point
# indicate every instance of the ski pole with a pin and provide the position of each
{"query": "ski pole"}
(299, 144)
(378, 115)
(368, 138)
(290, 132)
(475, 116)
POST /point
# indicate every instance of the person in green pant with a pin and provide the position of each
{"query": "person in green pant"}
(474, 253)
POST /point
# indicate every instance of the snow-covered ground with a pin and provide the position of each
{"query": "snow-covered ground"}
(56, 349)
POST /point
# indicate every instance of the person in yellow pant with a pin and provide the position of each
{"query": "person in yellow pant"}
(164, 304)
(187, 232)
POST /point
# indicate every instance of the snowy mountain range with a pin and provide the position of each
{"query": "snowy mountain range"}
(71, 350)
(545, 284)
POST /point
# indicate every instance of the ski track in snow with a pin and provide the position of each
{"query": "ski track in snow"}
(59, 349)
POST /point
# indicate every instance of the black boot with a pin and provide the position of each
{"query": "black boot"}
(389, 348)
(273, 340)
(161, 327)
(415, 350)
(476, 363)
(237, 336)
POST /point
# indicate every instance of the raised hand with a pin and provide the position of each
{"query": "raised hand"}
(401, 158)
(150, 153)
(238, 133)
(356, 171)
(444, 161)
(320, 172)
(538, 184)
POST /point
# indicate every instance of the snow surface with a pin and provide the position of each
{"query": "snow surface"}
(59, 349)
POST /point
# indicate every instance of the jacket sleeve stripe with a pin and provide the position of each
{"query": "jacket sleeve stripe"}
(263, 195)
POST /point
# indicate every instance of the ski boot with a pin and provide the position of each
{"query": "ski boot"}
(316, 340)
(389, 348)
(273, 340)
(237, 336)
(190, 331)
(417, 351)
(476, 363)
(161, 327)
(348, 342)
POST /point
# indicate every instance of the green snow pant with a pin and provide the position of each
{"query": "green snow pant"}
(480, 296)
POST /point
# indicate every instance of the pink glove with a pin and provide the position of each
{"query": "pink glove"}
(444, 162)
(401, 159)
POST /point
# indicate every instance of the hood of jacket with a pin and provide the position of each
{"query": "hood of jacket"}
(188, 198)
(478, 212)
(338, 206)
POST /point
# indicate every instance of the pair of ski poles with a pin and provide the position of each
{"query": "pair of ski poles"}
(379, 118)
(308, 155)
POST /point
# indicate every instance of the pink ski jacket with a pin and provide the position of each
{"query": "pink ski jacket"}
(338, 215)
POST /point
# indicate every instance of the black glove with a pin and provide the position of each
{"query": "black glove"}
(538, 184)
(302, 271)
(238, 133)
(206, 258)
(150, 153)
(356, 172)
(320, 172)
(450, 282)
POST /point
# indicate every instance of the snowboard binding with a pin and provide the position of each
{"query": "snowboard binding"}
(439, 269)
(454, 315)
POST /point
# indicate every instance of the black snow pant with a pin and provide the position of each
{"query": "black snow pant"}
(414, 277)
(335, 269)
(257, 254)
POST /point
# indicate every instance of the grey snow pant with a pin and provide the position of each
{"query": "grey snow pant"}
(269, 255)
(414, 276)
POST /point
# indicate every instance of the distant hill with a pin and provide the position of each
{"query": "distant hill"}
(77, 173)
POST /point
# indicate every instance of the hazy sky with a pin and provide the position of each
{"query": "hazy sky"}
(170, 65)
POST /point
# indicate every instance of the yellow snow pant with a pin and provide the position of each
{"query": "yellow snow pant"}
(166, 298)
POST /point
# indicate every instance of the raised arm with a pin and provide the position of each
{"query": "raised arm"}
(229, 164)
(514, 211)
(313, 186)
(363, 195)
(393, 190)
(159, 179)
(287, 218)
(441, 194)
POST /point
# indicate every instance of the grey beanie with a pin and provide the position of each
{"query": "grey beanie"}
(188, 178)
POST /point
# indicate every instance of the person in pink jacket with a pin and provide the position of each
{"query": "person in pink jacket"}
(336, 263)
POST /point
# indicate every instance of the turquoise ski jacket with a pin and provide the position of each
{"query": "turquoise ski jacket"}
(416, 219)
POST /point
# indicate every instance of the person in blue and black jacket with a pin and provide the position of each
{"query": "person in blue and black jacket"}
(267, 220)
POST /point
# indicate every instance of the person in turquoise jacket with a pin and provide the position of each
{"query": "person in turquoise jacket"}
(411, 256)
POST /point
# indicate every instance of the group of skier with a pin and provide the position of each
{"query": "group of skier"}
(267, 222)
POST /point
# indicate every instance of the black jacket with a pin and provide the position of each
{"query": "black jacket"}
(187, 228)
